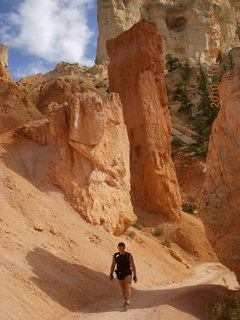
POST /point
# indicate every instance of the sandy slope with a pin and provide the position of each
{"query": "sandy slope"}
(182, 300)
(52, 262)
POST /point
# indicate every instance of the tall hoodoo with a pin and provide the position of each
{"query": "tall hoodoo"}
(4, 62)
(136, 72)
(220, 204)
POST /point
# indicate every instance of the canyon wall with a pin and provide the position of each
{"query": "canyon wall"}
(183, 24)
(91, 163)
(136, 72)
(220, 204)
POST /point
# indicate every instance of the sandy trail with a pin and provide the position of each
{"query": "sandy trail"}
(183, 300)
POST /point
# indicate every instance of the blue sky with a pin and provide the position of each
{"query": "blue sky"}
(41, 33)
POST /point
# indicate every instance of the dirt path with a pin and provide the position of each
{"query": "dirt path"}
(184, 300)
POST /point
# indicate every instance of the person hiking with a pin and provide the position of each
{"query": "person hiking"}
(125, 267)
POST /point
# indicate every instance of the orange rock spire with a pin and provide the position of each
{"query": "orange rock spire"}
(136, 72)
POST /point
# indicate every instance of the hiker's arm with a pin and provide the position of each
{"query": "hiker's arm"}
(133, 265)
(113, 265)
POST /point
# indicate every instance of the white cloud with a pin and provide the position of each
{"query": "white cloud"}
(54, 30)
(30, 69)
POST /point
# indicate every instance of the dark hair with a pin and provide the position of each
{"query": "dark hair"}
(121, 244)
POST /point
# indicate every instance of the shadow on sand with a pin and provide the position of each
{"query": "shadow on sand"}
(75, 287)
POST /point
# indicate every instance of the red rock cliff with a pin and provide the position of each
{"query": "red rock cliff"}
(220, 204)
(136, 72)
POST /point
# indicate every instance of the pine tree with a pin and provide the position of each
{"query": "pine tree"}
(172, 63)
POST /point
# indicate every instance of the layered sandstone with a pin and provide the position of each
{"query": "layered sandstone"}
(91, 164)
(136, 72)
(184, 24)
(220, 204)
(4, 62)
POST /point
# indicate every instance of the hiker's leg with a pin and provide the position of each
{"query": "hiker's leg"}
(122, 285)
(127, 283)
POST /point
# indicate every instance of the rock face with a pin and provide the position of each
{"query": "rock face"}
(191, 174)
(136, 73)
(184, 24)
(232, 59)
(16, 105)
(28, 99)
(4, 62)
(220, 204)
(92, 156)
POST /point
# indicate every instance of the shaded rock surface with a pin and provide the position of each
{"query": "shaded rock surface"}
(191, 174)
(220, 206)
(136, 72)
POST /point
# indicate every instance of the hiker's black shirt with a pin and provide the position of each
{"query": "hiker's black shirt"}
(123, 261)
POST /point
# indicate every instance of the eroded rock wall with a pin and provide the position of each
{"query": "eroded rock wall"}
(92, 157)
(184, 24)
(220, 204)
(136, 72)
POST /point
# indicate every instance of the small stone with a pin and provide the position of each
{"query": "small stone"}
(38, 227)
(53, 230)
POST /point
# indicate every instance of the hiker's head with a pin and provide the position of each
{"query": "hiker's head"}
(121, 246)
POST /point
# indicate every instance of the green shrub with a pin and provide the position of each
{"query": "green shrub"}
(203, 128)
(187, 71)
(137, 224)
(158, 232)
(181, 94)
(172, 63)
(189, 207)
(192, 148)
(228, 308)
(167, 243)
(207, 111)
(204, 149)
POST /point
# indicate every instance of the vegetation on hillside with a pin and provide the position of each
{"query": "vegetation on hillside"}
(228, 308)
(189, 207)
(206, 114)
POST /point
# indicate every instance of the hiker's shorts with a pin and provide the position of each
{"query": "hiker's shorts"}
(122, 274)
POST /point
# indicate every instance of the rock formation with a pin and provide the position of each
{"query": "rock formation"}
(4, 63)
(136, 72)
(232, 59)
(220, 204)
(92, 156)
(184, 24)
